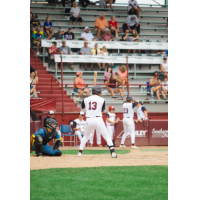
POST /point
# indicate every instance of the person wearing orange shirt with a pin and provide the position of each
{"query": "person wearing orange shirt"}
(100, 24)
(122, 75)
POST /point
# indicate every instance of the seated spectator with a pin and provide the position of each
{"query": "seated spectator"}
(133, 8)
(33, 80)
(122, 75)
(131, 23)
(163, 52)
(59, 34)
(113, 26)
(104, 52)
(37, 37)
(100, 24)
(75, 14)
(31, 14)
(155, 85)
(51, 2)
(96, 51)
(79, 86)
(108, 73)
(87, 36)
(64, 49)
(69, 35)
(164, 87)
(164, 67)
(84, 3)
(86, 51)
(107, 36)
(35, 23)
(113, 88)
(103, 3)
(48, 27)
(53, 50)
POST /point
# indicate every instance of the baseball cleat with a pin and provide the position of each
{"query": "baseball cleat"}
(134, 147)
(90, 145)
(79, 154)
(39, 154)
(114, 155)
(122, 146)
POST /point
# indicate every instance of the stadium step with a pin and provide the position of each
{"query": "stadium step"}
(74, 109)
(53, 92)
(42, 71)
(45, 76)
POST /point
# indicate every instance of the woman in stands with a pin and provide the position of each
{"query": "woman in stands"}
(122, 75)
(53, 50)
(107, 75)
(135, 38)
(33, 80)
(113, 88)
(79, 86)
(113, 26)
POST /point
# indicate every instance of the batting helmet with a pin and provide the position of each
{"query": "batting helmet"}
(111, 108)
(50, 122)
(129, 98)
(96, 89)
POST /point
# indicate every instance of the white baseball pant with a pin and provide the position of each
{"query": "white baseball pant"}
(98, 124)
(110, 131)
(92, 136)
(78, 133)
(129, 126)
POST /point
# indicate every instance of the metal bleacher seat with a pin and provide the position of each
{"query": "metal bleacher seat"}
(66, 131)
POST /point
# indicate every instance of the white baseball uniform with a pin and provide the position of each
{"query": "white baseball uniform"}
(140, 112)
(128, 123)
(79, 124)
(94, 105)
(110, 126)
(92, 137)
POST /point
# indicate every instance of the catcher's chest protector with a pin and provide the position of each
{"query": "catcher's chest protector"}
(49, 136)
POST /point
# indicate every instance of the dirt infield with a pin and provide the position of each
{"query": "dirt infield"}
(135, 157)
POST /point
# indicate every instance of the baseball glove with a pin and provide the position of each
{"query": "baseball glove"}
(56, 144)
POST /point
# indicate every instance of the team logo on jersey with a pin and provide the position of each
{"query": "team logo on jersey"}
(159, 133)
(141, 133)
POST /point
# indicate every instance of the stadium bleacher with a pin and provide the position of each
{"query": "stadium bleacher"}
(153, 23)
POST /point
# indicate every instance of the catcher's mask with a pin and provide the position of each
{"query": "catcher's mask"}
(50, 122)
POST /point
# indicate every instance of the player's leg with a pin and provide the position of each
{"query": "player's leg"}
(38, 145)
(78, 133)
(91, 138)
(125, 125)
(131, 129)
(47, 150)
(98, 138)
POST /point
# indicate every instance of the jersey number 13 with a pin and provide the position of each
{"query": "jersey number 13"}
(92, 105)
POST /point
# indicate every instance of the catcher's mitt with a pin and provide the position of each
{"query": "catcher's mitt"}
(56, 144)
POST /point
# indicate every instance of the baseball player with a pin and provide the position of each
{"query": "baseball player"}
(128, 122)
(39, 140)
(94, 106)
(98, 139)
(141, 112)
(111, 120)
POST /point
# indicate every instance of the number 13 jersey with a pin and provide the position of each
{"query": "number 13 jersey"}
(128, 110)
(94, 106)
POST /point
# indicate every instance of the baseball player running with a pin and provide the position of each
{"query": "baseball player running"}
(128, 122)
(111, 120)
(141, 112)
(94, 105)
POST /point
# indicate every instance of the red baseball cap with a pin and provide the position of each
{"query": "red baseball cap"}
(111, 108)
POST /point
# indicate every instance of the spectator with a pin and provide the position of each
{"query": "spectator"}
(133, 6)
(37, 37)
(104, 52)
(86, 51)
(113, 88)
(108, 73)
(100, 24)
(113, 26)
(87, 36)
(122, 75)
(64, 49)
(84, 3)
(75, 14)
(164, 87)
(53, 50)
(59, 34)
(96, 51)
(131, 23)
(164, 67)
(48, 27)
(163, 52)
(107, 36)
(31, 14)
(33, 80)
(79, 86)
(152, 85)
(69, 35)
(35, 23)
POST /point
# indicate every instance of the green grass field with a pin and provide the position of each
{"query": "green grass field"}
(98, 183)
(93, 152)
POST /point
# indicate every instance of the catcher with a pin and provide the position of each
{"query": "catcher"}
(141, 112)
(39, 140)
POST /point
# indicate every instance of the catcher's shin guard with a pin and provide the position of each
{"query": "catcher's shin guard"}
(38, 145)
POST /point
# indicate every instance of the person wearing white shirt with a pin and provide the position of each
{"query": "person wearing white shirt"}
(164, 67)
(164, 88)
(86, 35)
(133, 4)
(75, 14)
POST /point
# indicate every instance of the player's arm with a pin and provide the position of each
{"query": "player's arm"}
(103, 106)
(83, 104)
(59, 137)
(145, 113)
(74, 127)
